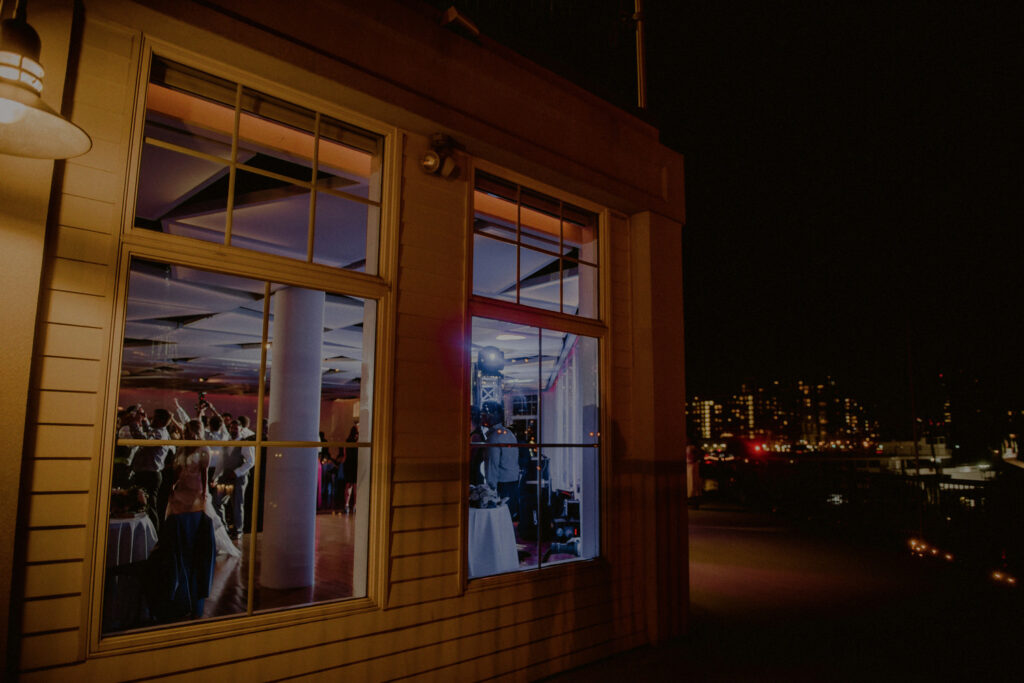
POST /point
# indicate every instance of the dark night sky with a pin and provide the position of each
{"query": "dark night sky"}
(850, 185)
(852, 189)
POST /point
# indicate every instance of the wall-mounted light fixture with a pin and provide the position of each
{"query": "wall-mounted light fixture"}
(440, 160)
(28, 126)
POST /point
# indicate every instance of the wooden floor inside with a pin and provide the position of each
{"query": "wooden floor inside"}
(335, 542)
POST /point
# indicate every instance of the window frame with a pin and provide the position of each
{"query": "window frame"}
(596, 327)
(177, 250)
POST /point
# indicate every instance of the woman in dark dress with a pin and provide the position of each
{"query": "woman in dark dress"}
(182, 563)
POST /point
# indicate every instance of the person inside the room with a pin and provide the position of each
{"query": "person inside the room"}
(501, 456)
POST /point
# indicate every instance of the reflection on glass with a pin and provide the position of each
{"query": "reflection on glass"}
(190, 370)
(534, 404)
(270, 216)
(180, 194)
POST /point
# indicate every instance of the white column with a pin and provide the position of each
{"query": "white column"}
(288, 555)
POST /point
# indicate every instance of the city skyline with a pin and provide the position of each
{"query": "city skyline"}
(824, 412)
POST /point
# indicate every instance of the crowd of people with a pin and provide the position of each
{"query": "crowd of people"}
(152, 468)
(197, 497)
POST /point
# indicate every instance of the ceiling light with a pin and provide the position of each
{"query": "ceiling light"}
(28, 126)
(510, 337)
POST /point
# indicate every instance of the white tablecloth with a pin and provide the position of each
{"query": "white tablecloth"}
(492, 542)
(130, 540)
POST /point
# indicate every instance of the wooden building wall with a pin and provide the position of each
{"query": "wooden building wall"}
(430, 623)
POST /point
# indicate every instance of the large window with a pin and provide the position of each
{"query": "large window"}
(532, 249)
(228, 164)
(535, 401)
(244, 408)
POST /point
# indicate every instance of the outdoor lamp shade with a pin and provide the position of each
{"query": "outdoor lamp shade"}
(28, 126)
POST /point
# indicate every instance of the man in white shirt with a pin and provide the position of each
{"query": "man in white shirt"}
(235, 466)
(148, 461)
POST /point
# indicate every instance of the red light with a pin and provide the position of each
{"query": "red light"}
(757, 448)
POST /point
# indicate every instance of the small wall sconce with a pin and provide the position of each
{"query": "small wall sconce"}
(28, 126)
(440, 160)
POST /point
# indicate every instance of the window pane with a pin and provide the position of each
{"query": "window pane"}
(569, 401)
(347, 232)
(535, 393)
(543, 228)
(579, 234)
(191, 356)
(494, 268)
(276, 136)
(568, 511)
(579, 289)
(270, 215)
(539, 231)
(192, 116)
(192, 131)
(320, 360)
(190, 109)
(180, 194)
(539, 279)
(191, 351)
(506, 382)
(185, 79)
(341, 232)
(539, 223)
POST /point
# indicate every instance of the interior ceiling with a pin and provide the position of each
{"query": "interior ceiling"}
(532, 360)
(190, 329)
(197, 330)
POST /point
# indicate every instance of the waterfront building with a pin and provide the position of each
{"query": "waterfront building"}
(360, 227)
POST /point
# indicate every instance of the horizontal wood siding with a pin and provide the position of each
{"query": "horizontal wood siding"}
(76, 308)
(427, 393)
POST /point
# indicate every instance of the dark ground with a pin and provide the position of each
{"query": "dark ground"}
(775, 603)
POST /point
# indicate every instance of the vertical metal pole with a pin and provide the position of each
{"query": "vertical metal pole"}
(641, 64)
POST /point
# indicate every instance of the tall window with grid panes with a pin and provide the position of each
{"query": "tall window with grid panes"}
(244, 407)
(536, 335)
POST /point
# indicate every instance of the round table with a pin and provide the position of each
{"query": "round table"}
(130, 539)
(492, 542)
